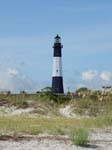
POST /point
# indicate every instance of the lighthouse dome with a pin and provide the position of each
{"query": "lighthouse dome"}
(57, 39)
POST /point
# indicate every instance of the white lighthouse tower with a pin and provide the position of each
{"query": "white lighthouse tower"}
(57, 78)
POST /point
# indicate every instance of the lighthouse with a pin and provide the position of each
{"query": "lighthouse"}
(57, 77)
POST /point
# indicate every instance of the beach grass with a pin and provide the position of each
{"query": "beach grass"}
(57, 125)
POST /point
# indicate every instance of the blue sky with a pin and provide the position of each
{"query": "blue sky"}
(27, 30)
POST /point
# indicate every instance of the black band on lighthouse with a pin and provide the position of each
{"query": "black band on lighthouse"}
(57, 84)
(57, 52)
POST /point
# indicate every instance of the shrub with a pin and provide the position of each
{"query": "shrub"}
(80, 137)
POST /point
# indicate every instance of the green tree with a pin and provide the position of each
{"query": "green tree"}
(82, 89)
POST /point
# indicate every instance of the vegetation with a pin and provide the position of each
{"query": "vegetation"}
(80, 137)
(87, 102)
(54, 125)
(83, 89)
(94, 104)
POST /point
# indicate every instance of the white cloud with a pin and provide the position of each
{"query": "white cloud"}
(92, 79)
(89, 75)
(12, 72)
(14, 80)
(106, 76)
(80, 85)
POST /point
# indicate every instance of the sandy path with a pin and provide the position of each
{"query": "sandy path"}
(100, 140)
(49, 145)
(35, 145)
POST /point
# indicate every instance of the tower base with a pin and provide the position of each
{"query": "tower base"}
(57, 85)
